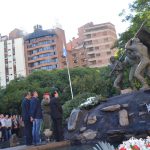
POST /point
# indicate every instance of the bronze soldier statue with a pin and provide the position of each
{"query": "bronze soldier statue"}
(117, 70)
(131, 60)
(140, 51)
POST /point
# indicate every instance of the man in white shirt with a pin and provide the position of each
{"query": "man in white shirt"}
(8, 124)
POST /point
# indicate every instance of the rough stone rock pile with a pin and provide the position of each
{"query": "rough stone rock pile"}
(115, 120)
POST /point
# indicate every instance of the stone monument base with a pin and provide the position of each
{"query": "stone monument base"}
(115, 120)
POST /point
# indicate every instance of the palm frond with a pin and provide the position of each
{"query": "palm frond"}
(103, 146)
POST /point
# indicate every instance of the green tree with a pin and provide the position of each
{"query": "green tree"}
(139, 13)
(84, 80)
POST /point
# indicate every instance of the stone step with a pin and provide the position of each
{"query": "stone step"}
(47, 146)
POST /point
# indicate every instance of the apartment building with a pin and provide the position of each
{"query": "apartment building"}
(99, 39)
(95, 43)
(12, 57)
(77, 57)
(43, 49)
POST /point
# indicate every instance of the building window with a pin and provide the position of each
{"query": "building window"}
(88, 36)
(98, 54)
(107, 46)
(93, 62)
(44, 62)
(97, 48)
(108, 53)
(32, 40)
(105, 33)
(74, 55)
(89, 42)
(91, 55)
(49, 67)
(43, 55)
(105, 39)
(40, 43)
(90, 49)
(6, 56)
(95, 41)
(75, 60)
(100, 61)
(43, 49)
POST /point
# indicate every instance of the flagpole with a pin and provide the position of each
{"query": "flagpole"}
(69, 77)
(65, 55)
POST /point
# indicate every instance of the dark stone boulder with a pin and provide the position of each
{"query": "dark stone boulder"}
(131, 118)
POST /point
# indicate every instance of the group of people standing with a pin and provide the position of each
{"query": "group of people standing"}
(9, 125)
(34, 113)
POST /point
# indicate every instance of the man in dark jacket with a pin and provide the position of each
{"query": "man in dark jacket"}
(26, 118)
(36, 118)
(56, 114)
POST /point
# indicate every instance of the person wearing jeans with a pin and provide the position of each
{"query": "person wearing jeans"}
(36, 118)
(36, 131)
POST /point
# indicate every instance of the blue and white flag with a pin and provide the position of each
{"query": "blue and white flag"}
(64, 51)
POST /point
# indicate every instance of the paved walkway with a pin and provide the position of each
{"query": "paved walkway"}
(48, 146)
(22, 147)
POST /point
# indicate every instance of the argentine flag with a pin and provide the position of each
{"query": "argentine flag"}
(64, 51)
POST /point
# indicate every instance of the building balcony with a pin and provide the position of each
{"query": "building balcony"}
(40, 46)
(43, 65)
(42, 58)
(92, 59)
(89, 46)
(92, 55)
(95, 31)
(91, 52)
(92, 62)
(42, 52)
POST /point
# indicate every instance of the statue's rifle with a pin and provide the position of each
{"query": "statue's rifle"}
(136, 34)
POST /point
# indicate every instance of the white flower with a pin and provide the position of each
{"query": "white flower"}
(141, 143)
(89, 101)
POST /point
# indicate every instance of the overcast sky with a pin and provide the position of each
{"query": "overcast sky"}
(71, 14)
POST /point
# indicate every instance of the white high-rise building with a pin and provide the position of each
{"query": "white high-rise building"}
(12, 59)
